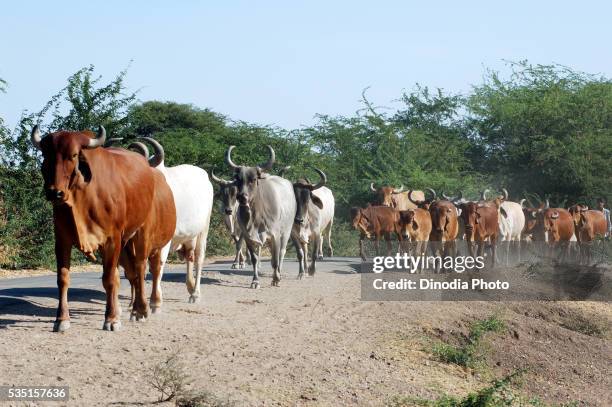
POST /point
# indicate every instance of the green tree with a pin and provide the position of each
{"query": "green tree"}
(547, 129)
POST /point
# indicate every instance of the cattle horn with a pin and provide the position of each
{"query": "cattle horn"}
(112, 141)
(322, 181)
(433, 193)
(398, 191)
(228, 158)
(522, 202)
(483, 195)
(547, 204)
(218, 180)
(505, 193)
(140, 148)
(412, 200)
(268, 165)
(35, 136)
(283, 170)
(99, 140)
(372, 187)
(448, 198)
(159, 155)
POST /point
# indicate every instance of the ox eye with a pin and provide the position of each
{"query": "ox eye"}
(74, 156)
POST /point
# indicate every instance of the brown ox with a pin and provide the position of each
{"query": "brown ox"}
(106, 200)
(481, 223)
(444, 225)
(588, 225)
(395, 198)
(416, 227)
(376, 222)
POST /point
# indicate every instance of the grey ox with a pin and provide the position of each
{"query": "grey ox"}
(266, 209)
(228, 193)
(315, 213)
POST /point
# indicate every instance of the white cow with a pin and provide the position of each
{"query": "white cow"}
(314, 215)
(193, 196)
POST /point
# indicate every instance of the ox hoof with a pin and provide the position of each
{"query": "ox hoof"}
(156, 309)
(61, 326)
(138, 317)
(275, 283)
(300, 276)
(241, 266)
(320, 257)
(255, 284)
(235, 266)
(112, 326)
(194, 299)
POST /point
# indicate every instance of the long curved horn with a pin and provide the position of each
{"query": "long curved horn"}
(140, 148)
(159, 155)
(283, 170)
(322, 181)
(505, 191)
(228, 158)
(35, 136)
(460, 196)
(372, 187)
(483, 195)
(522, 202)
(547, 204)
(448, 198)
(218, 180)
(412, 200)
(268, 165)
(112, 141)
(398, 191)
(433, 193)
(99, 140)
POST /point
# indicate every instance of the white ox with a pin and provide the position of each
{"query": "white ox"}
(193, 197)
(314, 215)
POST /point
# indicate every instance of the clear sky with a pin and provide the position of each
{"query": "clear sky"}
(281, 62)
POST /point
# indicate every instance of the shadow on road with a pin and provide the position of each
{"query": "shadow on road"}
(18, 301)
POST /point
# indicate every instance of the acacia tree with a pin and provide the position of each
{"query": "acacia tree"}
(547, 129)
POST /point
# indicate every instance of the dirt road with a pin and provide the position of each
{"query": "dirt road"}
(308, 342)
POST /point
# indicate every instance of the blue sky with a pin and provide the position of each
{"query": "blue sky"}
(281, 62)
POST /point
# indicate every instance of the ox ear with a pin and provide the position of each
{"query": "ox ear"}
(316, 201)
(83, 167)
(261, 174)
(554, 215)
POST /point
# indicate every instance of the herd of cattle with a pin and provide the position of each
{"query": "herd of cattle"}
(410, 217)
(133, 210)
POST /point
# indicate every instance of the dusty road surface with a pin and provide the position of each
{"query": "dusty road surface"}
(308, 342)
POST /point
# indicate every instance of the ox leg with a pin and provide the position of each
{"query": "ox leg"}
(299, 250)
(111, 283)
(157, 298)
(493, 251)
(200, 252)
(240, 257)
(156, 268)
(140, 310)
(190, 259)
(255, 263)
(363, 258)
(275, 260)
(317, 244)
(329, 244)
(62, 255)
